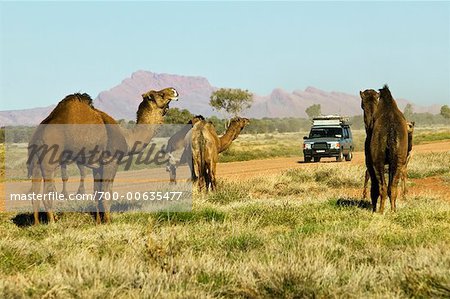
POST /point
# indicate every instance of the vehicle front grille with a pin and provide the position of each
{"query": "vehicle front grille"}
(320, 146)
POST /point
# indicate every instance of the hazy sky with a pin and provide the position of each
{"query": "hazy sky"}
(52, 49)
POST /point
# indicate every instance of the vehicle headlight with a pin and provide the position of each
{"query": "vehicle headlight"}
(306, 145)
(335, 145)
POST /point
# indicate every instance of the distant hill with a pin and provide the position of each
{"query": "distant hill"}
(121, 101)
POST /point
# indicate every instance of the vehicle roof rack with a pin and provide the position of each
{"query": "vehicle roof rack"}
(329, 120)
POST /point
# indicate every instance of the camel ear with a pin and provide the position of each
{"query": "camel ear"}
(148, 96)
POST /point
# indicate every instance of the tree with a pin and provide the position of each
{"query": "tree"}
(232, 101)
(177, 116)
(445, 111)
(408, 112)
(313, 110)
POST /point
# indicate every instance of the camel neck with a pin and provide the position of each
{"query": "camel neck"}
(227, 138)
(147, 125)
(150, 117)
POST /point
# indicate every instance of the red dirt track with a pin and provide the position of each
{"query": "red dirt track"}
(249, 169)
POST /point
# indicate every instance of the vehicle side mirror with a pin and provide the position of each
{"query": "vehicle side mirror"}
(338, 135)
(305, 137)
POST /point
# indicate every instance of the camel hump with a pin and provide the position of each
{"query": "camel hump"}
(385, 93)
(81, 97)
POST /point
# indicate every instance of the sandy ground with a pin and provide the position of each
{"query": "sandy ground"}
(249, 169)
(239, 170)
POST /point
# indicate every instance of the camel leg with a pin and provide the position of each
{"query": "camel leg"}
(64, 178)
(207, 176)
(402, 182)
(191, 167)
(82, 169)
(172, 170)
(186, 157)
(394, 177)
(366, 181)
(36, 181)
(374, 193)
(378, 187)
(381, 187)
(97, 174)
(109, 173)
(212, 174)
(49, 187)
(198, 172)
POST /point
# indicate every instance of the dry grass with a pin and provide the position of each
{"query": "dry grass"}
(282, 236)
(252, 239)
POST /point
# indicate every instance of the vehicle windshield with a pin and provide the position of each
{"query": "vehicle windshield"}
(325, 132)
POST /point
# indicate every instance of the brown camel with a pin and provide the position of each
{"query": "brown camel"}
(369, 104)
(234, 128)
(175, 143)
(404, 174)
(388, 145)
(206, 146)
(205, 154)
(100, 141)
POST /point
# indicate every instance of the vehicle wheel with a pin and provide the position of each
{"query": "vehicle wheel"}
(307, 159)
(316, 159)
(340, 157)
(349, 156)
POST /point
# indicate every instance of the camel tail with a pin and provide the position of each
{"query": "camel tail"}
(202, 143)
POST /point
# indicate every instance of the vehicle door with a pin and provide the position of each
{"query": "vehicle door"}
(345, 141)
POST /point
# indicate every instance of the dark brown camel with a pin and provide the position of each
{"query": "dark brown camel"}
(106, 137)
(388, 145)
(404, 175)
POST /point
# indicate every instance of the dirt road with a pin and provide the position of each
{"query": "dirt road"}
(248, 169)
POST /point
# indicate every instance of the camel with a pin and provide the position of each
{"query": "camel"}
(205, 154)
(234, 128)
(206, 146)
(386, 143)
(100, 141)
(369, 105)
(175, 143)
(404, 174)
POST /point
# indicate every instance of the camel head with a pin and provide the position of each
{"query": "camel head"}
(196, 119)
(410, 127)
(369, 103)
(239, 123)
(160, 99)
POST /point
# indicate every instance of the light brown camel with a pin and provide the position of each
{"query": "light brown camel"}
(234, 128)
(206, 146)
(205, 154)
(100, 141)
(388, 145)
(176, 143)
(404, 174)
